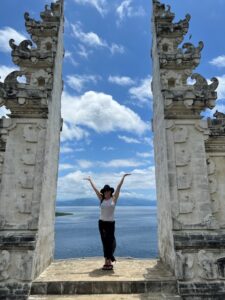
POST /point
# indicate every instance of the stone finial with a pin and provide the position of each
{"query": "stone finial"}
(204, 90)
(219, 115)
(36, 62)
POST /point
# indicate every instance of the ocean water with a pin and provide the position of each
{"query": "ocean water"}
(78, 236)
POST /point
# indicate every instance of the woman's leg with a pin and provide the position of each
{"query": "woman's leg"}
(102, 230)
(110, 241)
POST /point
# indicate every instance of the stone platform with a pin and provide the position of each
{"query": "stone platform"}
(130, 279)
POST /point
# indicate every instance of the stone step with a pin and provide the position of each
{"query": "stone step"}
(146, 296)
(84, 276)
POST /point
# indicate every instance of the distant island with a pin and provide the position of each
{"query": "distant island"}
(95, 202)
(60, 214)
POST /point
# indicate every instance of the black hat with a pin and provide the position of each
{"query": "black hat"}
(107, 188)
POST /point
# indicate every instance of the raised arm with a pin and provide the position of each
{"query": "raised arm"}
(117, 192)
(99, 195)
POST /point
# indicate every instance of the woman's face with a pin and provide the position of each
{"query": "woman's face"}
(107, 194)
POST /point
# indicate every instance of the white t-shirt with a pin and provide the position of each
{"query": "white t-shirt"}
(107, 210)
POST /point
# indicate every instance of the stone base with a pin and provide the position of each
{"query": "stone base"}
(200, 290)
(146, 296)
(84, 276)
(14, 291)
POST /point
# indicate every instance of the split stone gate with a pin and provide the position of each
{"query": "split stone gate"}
(189, 157)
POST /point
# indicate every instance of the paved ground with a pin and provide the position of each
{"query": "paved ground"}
(125, 269)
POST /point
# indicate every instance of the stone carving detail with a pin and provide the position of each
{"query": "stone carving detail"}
(186, 202)
(24, 266)
(24, 202)
(180, 134)
(180, 98)
(4, 265)
(183, 157)
(185, 265)
(207, 265)
(221, 267)
(201, 88)
(27, 180)
(29, 158)
(184, 178)
(213, 186)
(30, 133)
(217, 128)
(36, 65)
(23, 46)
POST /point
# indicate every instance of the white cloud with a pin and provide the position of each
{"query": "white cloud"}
(6, 34)
(145, 154)
(4, 111)
(82, 51)
(69, 57)
(99, 112)
(121, 80)
(121, 163)
(127, 10)
(128, 140)
(221, 87)
(218, 61)
(115, 48)
(84, 164)
(100, 5)
(63, 167)
(141, 183)
(77, 82)
(114, 163)
(5, 70)
(71, 131)
(148, 141)
(142, 92)
(91, 39)
(66, 149)
(108, 148)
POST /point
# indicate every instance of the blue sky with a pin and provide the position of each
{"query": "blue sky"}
(107, 101)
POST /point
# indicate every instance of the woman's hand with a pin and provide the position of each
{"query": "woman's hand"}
(127, 174)
(88, 178)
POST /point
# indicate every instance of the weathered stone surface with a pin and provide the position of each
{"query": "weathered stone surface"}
(29, 153)
(189, 155)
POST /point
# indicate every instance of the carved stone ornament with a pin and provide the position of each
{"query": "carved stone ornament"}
(185, 265)
(4, 264)
(207, 267)
(29, 98)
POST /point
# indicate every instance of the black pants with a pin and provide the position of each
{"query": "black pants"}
(107, 231)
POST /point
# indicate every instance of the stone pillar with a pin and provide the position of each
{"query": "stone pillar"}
(29, 153)
(189, 156)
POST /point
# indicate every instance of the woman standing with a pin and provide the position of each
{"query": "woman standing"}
(106, 223)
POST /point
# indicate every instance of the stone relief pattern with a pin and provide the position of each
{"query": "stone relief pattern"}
(4, 265)
(184, 177)
(213, 187)
(216, 185)
(27, 167)
(202, 265)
